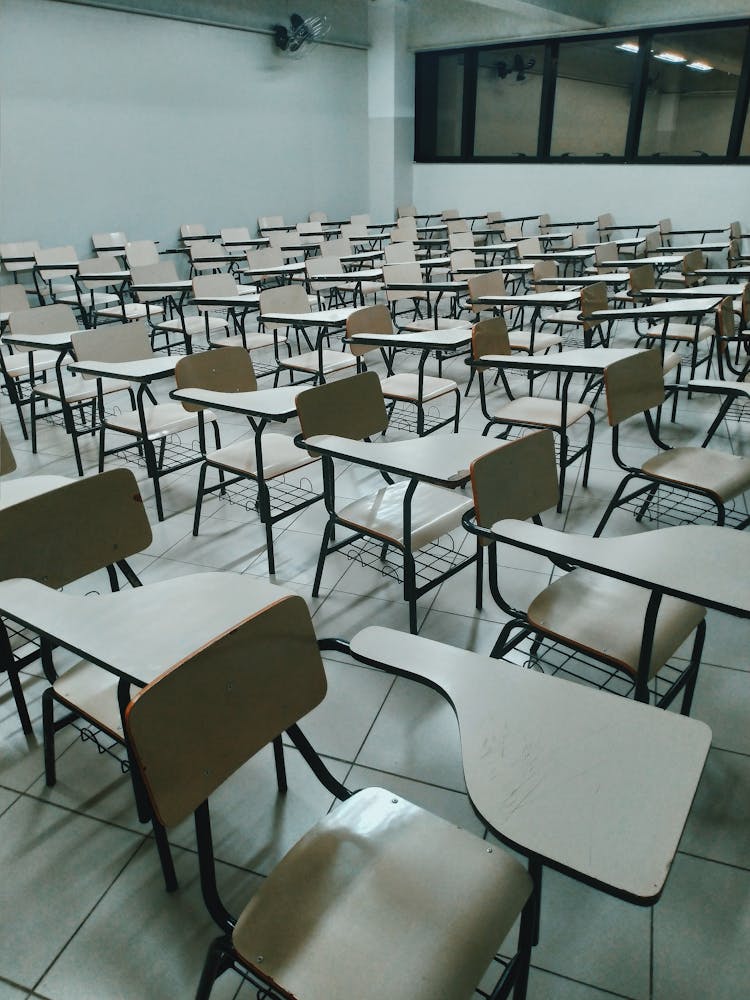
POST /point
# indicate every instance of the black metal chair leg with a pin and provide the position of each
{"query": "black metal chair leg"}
(48, 730)
(278, 756)
(216, 963)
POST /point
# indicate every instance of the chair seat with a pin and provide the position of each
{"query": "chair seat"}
(17, 365)
(280, 455)
(540, 412)
(444, 323)
(89, 299)
(81, 390)
(564, 316)
(520, 340)
(434, 512)
(162, 419)
(333, 361)
(686, 332)
(193, 325)
(725, 476)
(406, 387)
(252, 341)
(365, 906)
(606, 617)
(670, 361)
(131, 311)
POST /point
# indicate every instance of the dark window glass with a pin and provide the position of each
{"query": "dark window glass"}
(509, 91)
(450, 97)
(592, 97)
(691, 91)
(745, 147)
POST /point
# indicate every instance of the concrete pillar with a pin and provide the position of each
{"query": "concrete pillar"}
(390, 71)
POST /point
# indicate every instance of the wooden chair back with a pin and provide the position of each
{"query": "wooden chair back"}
(353, 408)
(633, 385)
(226, 370)
(531, 245)
(56, 318)
(269, 221)
(108, 241)
(725, 318)
(113, 342)
(490, 336)
(406, 271)
(24, 248)
(641, 277)
(233, 234)
(139, 253)
(208, 285)
(264, 257)
(545, 269)
(67, 533)
(489, 283)
(400, 253)
(7, 458)
(519, 480)
(372, 319)
(158, 271)
(406, 211)
(13, 298)
(342, 247)
(461, 240)
(692, 261)
(593, 298)
(285, 299)
(606, 255)
(56, 255)
(88, 269)
(201, 720)
(192, 229)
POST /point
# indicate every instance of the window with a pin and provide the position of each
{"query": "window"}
(656, 95)
(691, 92)
(509, 97)
(450, 96)
(592, 98)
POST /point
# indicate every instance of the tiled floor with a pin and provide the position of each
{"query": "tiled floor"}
(84, 913)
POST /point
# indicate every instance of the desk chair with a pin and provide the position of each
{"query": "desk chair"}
(705, 478)
(592, 297)
(12, 638)
(70, 394)
(407, 515)
(261, 459)
(149, 306)
(410, 272)
(25, 249)
(329, 294)
(139, 253)
(490, 336)
(315, 364)
(693, 261)
(109, 243)
(379, 898)
(529, 341)
(217, 328)
(147, 424)
(592, 616)
(90, 295)
(14, 367)
(416, 389)
(51, 277)
(62, 536)
(736, 393)
(209, 257)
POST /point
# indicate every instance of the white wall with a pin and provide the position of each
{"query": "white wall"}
(690, 195)
(115, 121)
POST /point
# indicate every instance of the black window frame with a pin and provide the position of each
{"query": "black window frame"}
(426, 105)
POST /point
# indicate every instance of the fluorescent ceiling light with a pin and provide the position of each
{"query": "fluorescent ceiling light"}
(670, 57)
(701, 67)
(627, 47)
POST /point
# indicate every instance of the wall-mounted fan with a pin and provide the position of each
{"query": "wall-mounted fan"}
(517, 66)
(300, 34)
